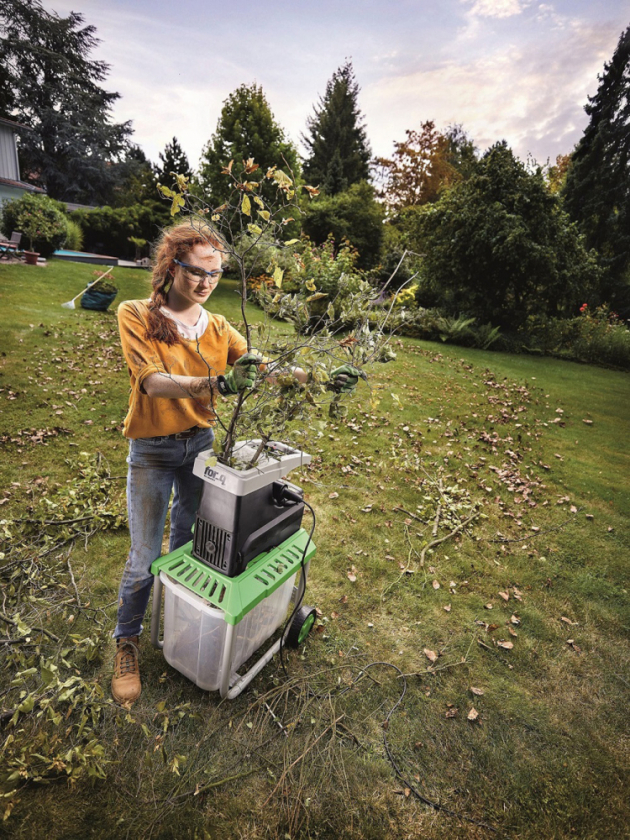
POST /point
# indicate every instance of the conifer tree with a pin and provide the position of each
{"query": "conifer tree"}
(73, 148)
(339, 152)
(246, 129)
(597, 190)
(172, 159)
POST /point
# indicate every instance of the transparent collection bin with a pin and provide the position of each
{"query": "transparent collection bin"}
(214, 623)
(195, 632)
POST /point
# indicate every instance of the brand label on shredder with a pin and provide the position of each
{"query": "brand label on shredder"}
(213, 475)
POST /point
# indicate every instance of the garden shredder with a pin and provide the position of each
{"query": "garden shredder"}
(228, 590)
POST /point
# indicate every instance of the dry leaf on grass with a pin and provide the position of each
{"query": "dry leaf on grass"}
(333, 495)
(505, 595)
(436, 584)
(515, 620)
(451, 713)
(447, 608)
(488, 606)
(505, 645)
(473, 714)
(431, 655)
(567, 620)
(478, 691)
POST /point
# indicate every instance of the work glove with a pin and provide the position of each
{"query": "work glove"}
(243, 373)
(344, 379)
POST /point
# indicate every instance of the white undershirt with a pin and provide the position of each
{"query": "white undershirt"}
(185, 330)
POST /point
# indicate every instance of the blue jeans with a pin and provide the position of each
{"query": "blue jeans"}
(156, 465)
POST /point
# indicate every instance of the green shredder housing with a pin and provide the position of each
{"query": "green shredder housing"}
(200, 602)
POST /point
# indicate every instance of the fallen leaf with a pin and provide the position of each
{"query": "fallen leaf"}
(473, 714)
(333, 496)
(505, 596)
(505, 645)
(512, 632)
(588, 422)
(447, 608)
(431, 655)
(435, 584)
(488, 606)
(478, 691)
(515, 620)
(451, 713)
(573, 509)
(567, 620)
(589, 516)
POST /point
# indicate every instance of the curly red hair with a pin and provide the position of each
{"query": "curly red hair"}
(174, 244)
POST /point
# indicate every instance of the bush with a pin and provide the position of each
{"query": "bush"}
(353, 215)
(597, 336)
(39, 219)
(74, 238)
(107, 230)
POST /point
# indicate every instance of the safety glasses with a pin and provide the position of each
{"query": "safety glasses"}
(200, 273)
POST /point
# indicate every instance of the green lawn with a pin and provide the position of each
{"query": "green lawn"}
(528, 605)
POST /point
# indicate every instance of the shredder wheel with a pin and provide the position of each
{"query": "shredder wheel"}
(301, 626)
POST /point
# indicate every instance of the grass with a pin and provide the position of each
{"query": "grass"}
(467, 430)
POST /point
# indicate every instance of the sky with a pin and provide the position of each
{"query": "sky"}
(514, 70)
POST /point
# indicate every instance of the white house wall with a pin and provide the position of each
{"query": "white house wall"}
(8, 154)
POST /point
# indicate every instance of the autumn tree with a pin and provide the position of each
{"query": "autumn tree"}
(499, 247)
(597, 191)
(74, 148)
(338, 149)
(246, 129)
(172, 159)
(423, 164)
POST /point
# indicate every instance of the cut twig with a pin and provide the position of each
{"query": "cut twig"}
(300, 757)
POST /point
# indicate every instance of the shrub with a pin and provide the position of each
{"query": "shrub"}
(74, 237)
(107, 230)
(596, 336)
(39, 219)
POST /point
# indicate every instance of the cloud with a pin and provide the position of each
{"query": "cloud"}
(497, 8)
(530, 95)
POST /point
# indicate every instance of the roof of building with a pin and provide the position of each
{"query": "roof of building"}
(9, 182)
(14, 124)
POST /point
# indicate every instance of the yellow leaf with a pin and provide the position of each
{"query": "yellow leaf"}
(291, 241)
(259, 202)
(310, 285)
(316, 296)
(264, 213)
(278, 274)
(178, 203)
(246, 206)
(254, 229)
(166, 191)
(216, 217)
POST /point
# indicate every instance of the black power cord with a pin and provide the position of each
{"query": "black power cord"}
(283, 493)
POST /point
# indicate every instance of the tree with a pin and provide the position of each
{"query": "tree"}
(353, 215)
(418, 169)
(137, 182)
(246, 129)
(339, 152)
(597, 191)
(73, 147)
(499, 246)
(173, 159)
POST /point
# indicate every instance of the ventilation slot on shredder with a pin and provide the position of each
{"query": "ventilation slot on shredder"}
(210, 543)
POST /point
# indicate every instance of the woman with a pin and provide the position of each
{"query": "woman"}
(177, 355)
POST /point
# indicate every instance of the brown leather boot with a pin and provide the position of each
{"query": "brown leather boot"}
(126, 686)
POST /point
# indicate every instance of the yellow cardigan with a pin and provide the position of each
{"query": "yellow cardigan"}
(219, 346)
